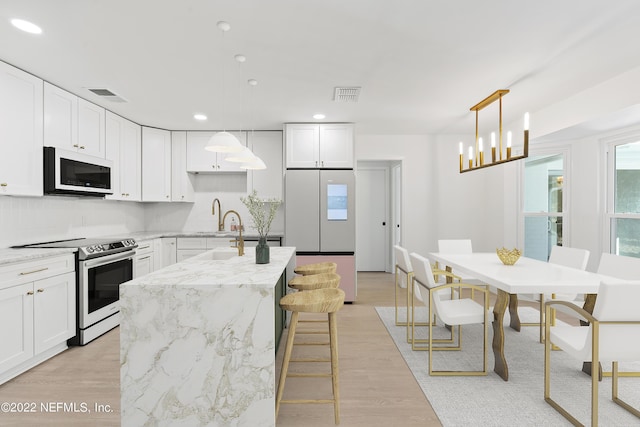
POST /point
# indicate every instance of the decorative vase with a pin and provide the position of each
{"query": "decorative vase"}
(262, 251)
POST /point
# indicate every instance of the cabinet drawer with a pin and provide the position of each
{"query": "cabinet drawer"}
(191, 243)
(144, 247)
(28, 271)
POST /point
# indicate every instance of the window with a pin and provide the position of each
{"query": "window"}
(624, 198)
(543, 204)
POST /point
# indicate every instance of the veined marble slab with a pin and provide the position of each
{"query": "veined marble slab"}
(197, 342)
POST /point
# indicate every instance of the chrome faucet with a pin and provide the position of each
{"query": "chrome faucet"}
(239, 240)
(213, 212)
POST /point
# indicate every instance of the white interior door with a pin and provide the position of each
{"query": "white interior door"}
(372, 213)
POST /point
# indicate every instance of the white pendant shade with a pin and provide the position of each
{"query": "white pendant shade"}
(224, 142)
(255, 164)
(244, 156)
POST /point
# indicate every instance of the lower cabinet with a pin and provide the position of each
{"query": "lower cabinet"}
(37, 312)
(145, 258)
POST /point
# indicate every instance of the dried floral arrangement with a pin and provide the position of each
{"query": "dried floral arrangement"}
(262, 211)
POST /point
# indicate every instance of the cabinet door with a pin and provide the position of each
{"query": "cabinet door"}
(54, 311)
(225, 166)
(199, 159)
(267, 182)
(91, 133)
(60, 118)
(113, 151)
(20, 132)
(336, 145)
(156, 165)
(181, 185)
(169, 254)
(131, 161)
(144, 264)
(16, 325)
(302, 145)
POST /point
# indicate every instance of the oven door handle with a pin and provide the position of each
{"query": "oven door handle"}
(96, 262)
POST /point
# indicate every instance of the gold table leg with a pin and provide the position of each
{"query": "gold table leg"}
(589, 304)
(514, 323)
(499, 309)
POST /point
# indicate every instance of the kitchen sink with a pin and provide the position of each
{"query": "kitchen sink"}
(219, 254)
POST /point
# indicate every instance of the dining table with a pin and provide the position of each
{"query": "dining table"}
(526, 276)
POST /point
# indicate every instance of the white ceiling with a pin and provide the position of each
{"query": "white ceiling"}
(421, 64)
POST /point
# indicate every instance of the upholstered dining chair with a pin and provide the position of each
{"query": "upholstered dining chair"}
(568, 257)
(611, 335)
(619, 266)
(456, 311)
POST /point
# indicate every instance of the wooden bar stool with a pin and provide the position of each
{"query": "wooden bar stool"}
(315, 281)
(328, 300)
(316, 268)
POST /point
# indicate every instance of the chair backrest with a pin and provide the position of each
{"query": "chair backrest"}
(457, 246)
(618, 301)
(569, 257)
(621, 267)
(422, 273)
(403, 261)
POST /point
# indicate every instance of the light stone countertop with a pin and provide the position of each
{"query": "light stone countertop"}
(9, 255)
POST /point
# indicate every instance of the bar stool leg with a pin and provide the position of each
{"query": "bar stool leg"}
(333, 340)
(286, 359)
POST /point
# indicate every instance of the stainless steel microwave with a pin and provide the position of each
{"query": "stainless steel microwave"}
(71, 173)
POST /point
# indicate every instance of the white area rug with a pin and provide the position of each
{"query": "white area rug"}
(490, 401)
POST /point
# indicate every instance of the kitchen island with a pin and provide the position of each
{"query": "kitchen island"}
(197, 341)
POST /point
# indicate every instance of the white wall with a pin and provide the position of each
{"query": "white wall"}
(38, 219)
(228, 188)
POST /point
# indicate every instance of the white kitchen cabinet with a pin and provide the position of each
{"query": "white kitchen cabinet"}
(169, 254)
(203, 161)
(91, 128)
(145, 258)
(156, 165)
(37, 312)
(72, 123)
(327, 145)
(181, 182)
(124, 148)
(20, 132)
(267, 182)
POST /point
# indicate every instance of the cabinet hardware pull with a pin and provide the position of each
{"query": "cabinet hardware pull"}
(316, 163)
(122, 194)
(40, 290)
(24, 273)
(75, 145)
(82, 147)
(29, 292)
(4, 184)
(322, 162)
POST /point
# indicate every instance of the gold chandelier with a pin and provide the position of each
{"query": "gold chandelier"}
(476, 157)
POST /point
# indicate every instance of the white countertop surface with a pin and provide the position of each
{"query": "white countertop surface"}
(9, 255)
(204, 269)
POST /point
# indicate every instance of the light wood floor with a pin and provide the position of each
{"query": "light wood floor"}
(376, 386)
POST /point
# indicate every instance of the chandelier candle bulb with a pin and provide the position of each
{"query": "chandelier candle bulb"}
(526, 121)
(481, 152)
(509, 145)
(470, 157)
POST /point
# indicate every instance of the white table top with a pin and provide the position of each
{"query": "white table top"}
(526, 276)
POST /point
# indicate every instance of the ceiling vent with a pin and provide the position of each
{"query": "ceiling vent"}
(107, 94)
(346, 94)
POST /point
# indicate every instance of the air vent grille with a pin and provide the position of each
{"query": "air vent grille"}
(346, 94)
(107, 94)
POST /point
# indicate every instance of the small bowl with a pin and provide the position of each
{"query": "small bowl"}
(508, 256)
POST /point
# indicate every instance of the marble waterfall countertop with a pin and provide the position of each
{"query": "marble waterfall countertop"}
(197, 341)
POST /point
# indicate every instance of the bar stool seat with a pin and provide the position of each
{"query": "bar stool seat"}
(315, 281)
(326, 300)
(316, 268)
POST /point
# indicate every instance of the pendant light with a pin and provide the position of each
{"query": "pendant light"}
(223, 142)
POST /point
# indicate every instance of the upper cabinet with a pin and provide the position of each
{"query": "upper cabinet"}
(20, 132)
(327, 145)
(267, 182)
(124, 148)
(156, 165)
(203, 161)
(181, 185)
(71, 123)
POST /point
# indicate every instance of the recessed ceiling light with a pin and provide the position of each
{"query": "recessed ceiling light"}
(200, 117)
(26, 26)
(319, 116)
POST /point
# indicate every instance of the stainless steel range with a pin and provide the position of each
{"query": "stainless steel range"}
(101, 266)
